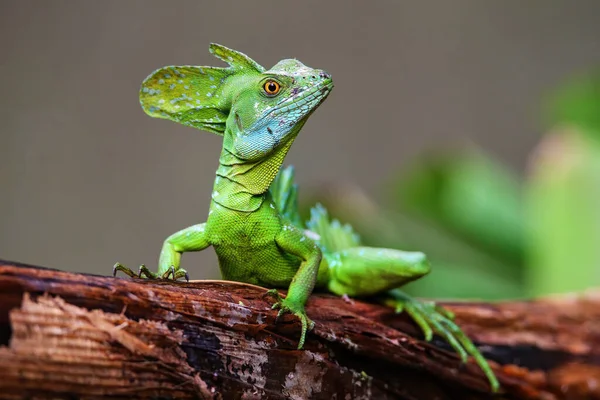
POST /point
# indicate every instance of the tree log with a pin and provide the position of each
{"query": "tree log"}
(67, 335)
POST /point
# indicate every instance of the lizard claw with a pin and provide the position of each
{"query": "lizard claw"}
(284, 305)
(169, 272)
(180, 273)
(278, 302)
(273, 293)
(127, 271)
(277, 306)
(144, 272)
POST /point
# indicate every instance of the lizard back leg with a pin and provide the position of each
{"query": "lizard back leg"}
(365, 271)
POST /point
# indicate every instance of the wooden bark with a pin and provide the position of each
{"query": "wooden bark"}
(67, 335)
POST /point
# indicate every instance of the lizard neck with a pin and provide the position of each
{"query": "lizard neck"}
(242, 185)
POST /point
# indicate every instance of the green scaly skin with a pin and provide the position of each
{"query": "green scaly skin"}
(253, 223)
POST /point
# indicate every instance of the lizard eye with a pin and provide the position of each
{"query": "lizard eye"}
(271, 88)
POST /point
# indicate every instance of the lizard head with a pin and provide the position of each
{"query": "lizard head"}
(273, 106)
(256, 110)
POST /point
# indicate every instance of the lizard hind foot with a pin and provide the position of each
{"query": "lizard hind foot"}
(434, 319)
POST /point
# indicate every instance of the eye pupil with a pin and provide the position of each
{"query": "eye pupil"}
(271, 87)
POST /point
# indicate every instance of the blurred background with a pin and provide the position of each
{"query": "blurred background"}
(468, 129)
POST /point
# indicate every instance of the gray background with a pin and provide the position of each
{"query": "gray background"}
(87, 179)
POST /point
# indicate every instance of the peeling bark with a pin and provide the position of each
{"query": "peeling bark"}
(67, 335)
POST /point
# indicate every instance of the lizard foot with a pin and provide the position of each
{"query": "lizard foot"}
(143, 271)
(285, 305)
(432, 318)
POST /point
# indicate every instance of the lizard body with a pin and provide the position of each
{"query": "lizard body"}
(253, 222)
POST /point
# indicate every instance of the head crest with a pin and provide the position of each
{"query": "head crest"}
(234, 58)
(192, 95)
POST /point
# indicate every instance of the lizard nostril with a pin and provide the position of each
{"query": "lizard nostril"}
(324, 75)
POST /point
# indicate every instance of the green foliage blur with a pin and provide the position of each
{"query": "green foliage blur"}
(489, 232)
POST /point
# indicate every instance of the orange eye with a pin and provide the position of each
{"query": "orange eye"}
(271, 88)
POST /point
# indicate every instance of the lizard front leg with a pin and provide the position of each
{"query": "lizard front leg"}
(189, 239)
(293, 241)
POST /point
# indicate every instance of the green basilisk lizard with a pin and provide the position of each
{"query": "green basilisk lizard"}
(253, 222)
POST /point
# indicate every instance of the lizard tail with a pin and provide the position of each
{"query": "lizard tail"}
(285, 195)
(333, 235)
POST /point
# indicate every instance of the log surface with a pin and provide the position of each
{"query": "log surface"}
(67, 335)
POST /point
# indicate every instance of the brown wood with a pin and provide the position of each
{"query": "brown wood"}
(67, 335)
